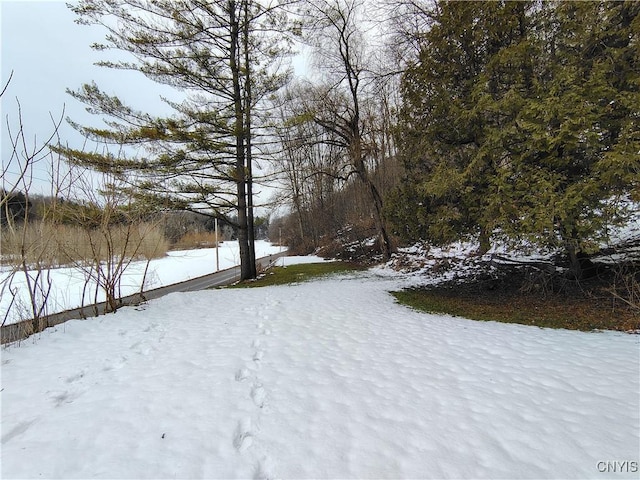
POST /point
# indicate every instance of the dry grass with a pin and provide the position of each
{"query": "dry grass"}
(37, 243)
(626, 288)
(193, 240)
(587, 305)
(48, 245)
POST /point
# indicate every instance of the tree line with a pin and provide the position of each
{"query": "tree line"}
(424, 120)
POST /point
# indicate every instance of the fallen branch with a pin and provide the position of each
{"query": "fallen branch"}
(498, 260)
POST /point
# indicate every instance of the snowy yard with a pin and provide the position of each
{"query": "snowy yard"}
(327, 379)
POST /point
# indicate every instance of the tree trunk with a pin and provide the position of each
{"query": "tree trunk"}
(243, 234)
(575, 268)
(485, 241)
(577, 259)
(385, 243)
(376, 199)
(248, 99)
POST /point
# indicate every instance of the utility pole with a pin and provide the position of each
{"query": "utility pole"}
(217, 250)
(280, 244)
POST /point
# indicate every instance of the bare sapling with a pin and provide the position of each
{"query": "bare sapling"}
(27, 280)
(113, 235)
(626, 286)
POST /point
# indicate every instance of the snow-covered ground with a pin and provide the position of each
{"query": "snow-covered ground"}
(71, 288)
(460, 259)
(326, 379)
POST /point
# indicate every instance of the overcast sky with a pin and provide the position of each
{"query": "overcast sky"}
(49, 53)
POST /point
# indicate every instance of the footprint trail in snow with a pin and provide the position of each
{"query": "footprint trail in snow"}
(246, 437)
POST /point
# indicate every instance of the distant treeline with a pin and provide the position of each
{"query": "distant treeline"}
(18, 208)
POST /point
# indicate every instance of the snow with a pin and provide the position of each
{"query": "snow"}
(460, 259)
(324, 379)
(70, 288)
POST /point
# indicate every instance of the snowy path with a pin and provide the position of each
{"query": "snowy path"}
(329, 379)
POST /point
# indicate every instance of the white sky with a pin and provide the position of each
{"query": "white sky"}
(48, 53)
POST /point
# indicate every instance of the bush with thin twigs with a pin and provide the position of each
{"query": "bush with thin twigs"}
(625, 288)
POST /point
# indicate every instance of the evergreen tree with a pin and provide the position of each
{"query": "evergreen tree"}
(221, 53)
(520, 120)
(14, 207)
(574, 145)
(451, 97)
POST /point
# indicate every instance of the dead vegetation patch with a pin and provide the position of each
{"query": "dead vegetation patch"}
(525, 295)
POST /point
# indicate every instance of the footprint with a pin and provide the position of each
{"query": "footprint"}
(117, 365)
(18, 430)
(62, 397)
(59, 397)
(257, 356)
(256, 343)
(260, 472)
(141, 348)
(242, 374)
(243, 438)
(75, 377)
(258, 395)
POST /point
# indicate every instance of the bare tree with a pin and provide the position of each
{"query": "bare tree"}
(338, 105)
(28, 246)
(112, 234)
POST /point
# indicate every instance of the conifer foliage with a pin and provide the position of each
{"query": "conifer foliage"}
(222, 55)
(520, 120)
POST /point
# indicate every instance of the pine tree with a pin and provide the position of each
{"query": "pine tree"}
(452, 107)
(520, 120)
(221, 54)
(572, 146)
